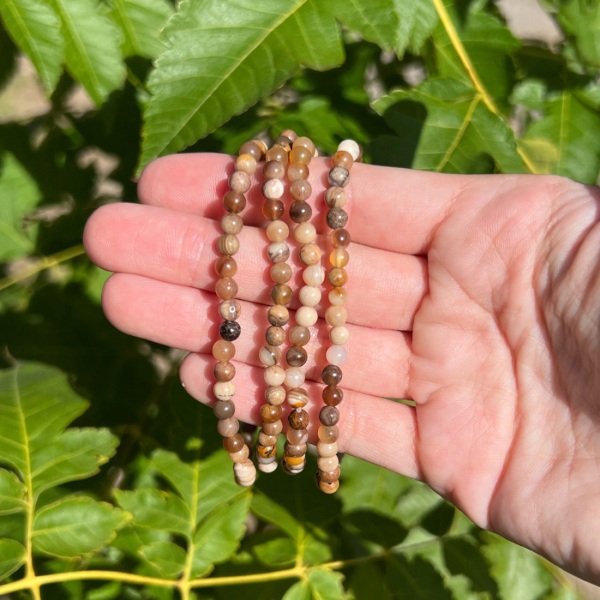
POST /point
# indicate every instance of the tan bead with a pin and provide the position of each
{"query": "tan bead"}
(270, 413)
(305, 233)
(268, 467)
(275, 336)
(290, 133)
(314, 275)
(328, 488)
(309, 296)
(327, 449)
(246, 163)
(226, 266)
(342, 159)
(244, 469)
(224, 371)
(297, 436)
(295, 449)
(263, 147)
(299, 336)
(277, 153)
(240, 181)
(228, 244)
(273, 428)
(232, 224)
(339, 258)
(330, 476)
(306, 316)
(284, 142)
(224, 390)
(230, 310)
(266, 440)
(273, 170)
(223, 351)
(297, 171)
(281, 272)
(226, 288)
(305, 143)
(277, 231)
(336, 315)
(335, 197)
(310, 254)
(338, 296)
(281, 294)
(240, 455)
(278, 315)
(228, 427)
(328, 434)
(337, 277)
(294, 377)
(272, 189)
(245, 482)
(269, 355)
(274, 375)
(278, 252)
(300, 190)
(297, 397)
(300, 154)
(328, 463)
(253, 148)
(339, 335)
(275, 395)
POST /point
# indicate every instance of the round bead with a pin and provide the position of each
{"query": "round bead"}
(328, 434)
(336, 315)
(223, 350)
(273, 170)
(339, 335)
(314, 275)
(228, 427)
(231, 224)
(272, 189)
(297, 436)
(230, 310)
(275, 395)
(230, 330)
(337, 218)
(273, 428)
(332, 395)
(273, 209)
(338, 176)
(234, 202)
(224, 371)
(306, 316)
(224, 409)
(240, 455)
(270, 413)
(278, 315)
(331, 375)
(278, 231)
(224, 390)
(274, 375)
(263, 147)
(330, 476)
(300, 154)
(295, 450)
(300, 190)
(246, 163)
(269, 467)
(290, 134)
(327, 449)
(275, 336)
(228, 244)
(281, 272)
(328, 488)
(240, 181)
(340, 238)
(305, 143)
(248, 438)
(336, 355)
(284, 142)
(245, 482)
(335, 197)
(351, 147)
(329, 415)
(294, 461)
(251, 148)
(310, 254)
(338, 296)
(309, 296)
(328, 463)
(226, 266)
(278, 252)
(266, 440)
(298, 419)
(299, 336)
(289, 470)
(337, 277)
(277, 153)
(342, 159)
(269, 355)
(294, 377)
(281, 294)
(266, 451)
(244, 469)
(297, 397)
(234, 443)
(305, 233)
(296, 356)
(339, 258)
(266, 461)
(297, 171)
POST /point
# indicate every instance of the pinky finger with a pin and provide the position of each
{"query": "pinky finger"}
(380, 431)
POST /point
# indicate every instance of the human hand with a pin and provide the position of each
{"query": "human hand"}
(478, 297)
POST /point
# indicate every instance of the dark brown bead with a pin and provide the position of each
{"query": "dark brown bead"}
(230, 330)
(224, 409)
(281, 294)
(337, 277)
(331, 375)
(332, 395)
(252, 149)
(329, 415)
(296, 356)
(266, 451)
(275, 336)
(273, 170)
(270, 413)
(234, 202)
(298, 419)
(331, 476)
(340, 238)
(273, 209)
(337, 218)
(224, 371)
(234, 443)
(226, 288)
(300, 212)
(300, 189)
(295, 449)
(248, 438)
(226, 266)
(281, 272)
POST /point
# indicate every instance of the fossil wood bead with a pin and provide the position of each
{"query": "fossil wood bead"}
(263, 147)
(329, 415)
(300, 190)
(338, 176)
(296, 356)
(289, 470)
(310, 254)
(342, 159)
(299, 336)
(328, 434)
(233, 443)
(281, 294)
(228, 427)
(277, 153)
(273, 428)
(298, 419)
(284, 142)
(330, 476)
(305, 233)
(244, 482)
(336, 355)
(240, 181)
(224, 371)
(327, 449)
(332, 395)
(306, 316)
(300, 154)
(313, 275)
(224, 409)
(278, 252)
(277, 231)
(351, 147)
(281, 272)
(228, 244)
(244, 469)
(232, 224)
(327, 463)
(331, 375)
(266, 440)
(295, 449)
(270, 412)
(294, 377)
(309, 296)
(273, 170)
(339, 335)
(224, 390)
(246, 163)
(230, 310)
(297, 171)
(234, 202)
(339, 258)
(328, 488)
(290, 134)
(266, 451)
(338, 296)
(294, 461)
(297, 436)
(226, 266)
(230, 330)
(335, 197)
(275, 394)
(251, 148)
(223, 350)
(337, 218)
(242, 454)
(269, 355)
(337, 277)
(273, 209)
(274, 375)
(278, 315)
(265, 460)
(340, 238)
(275, 336)
(297, 397)
(272, 189)
(269, 467)
(305, 142)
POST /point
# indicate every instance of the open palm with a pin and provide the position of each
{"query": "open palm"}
(475, 296)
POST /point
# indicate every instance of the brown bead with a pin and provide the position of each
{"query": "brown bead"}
(329, 416)
(342, 159)
(269, 355)
(234, 443)
(289, 470)
(228, 427)
(263, 147)
(239, 181)
(230, 310)
(278, 315)
(234, 202)
(223, 351)
(277, 153)
(266, 451)
(297, 436)
(328, 434)
(224, 409)
(228, 244)
(298, 419)
(337, 218)
(297, 397)
(252, 149)
(284, 142)
(246, 163)
(339, 258)
(275, 394)
(297, 171)
(296, 356)
(305, 143)
(277, 231)
(270, 413)
(329, 476)
(338, 176)
(295, 449)
(281, 272)
(293, 461)
(300, 189)
(332, 395)
(335, 197)
(224, 371)
(273, 170)
(281, 294)
(331, 375)
(299, 336)
(300, 212)
(226, 266)
(300, 154)
(328, 488)
(337, 277)
(266, 440)
(273, 209)
(226, 288)
(278, 252)
(232, 224)
(275, 336)
(340, 238)
(310, 254)
(272, 428)
(290, 134)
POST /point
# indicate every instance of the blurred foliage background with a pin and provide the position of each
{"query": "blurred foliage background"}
(114, 484)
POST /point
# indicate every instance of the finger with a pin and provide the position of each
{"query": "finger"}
(392, 209)
(385, 289)
(374, 429)
(186, 318)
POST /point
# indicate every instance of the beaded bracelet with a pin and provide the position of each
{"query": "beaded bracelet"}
(230, 310)
(281, 294)
(336, 315)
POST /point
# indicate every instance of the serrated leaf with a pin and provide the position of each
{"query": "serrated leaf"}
(320, 584)
(141, 22)
(34, 26)
(416, 578)
(92, 50)
(223, 56)
(13, 494)
(12, 556)
(166, 557)
(76, 526)
(417, 20)
(276, 553)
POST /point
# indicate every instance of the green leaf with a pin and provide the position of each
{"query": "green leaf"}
(417, 20)
(375, 528)
(76, 526)
(109, 591)
(530, 94)
(276, 553)
(13, 494)
(415, 578)
(416, 504)
(35, 28)
(320, 584)
(140, 22)
(168, 558)
(20, 194)
(92, 49)
(223, 56)
(12, 556)
(464, 558)
(367, 582)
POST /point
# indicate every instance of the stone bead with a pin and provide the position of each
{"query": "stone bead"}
(310, 254)
(277, 153)
(298, 419)
(266, 440)
(228, 427)
(224, 371)
(335, 197)
(327, 449)
(246, 163)
(337, 218)
(253, 149)
(224, 409)
(268, 468)
(263, 147)
(294, 377)
(306, 316)
(284, 142)
(295, 449)
(230, 330)
(328, 488)
(332, 395)
(340, 238)
(231, 224)
(278, 315)
(240, 181)
(305, 233)
(297, 436)
(300, 190)
(269, 355)
(261, 460)
(305, 143)
(338, 296)
(228, 244)
(289, 470)
(272, 189)
(329, 415)
(339, 258)
(297, 171)
(328, 434)
(290, 134)
(226, 266)
(224, 390)
(275, 395)
(297, 397)
(313, 275)
(244, 469)
(328, 463)
(230, 310)
(339, 335)
(278, 252)
(248, 438)
(337, 277)
(266, 451)
(274, 375)
(234, 202)
(331, 375)
(275, 336)
(296, 356)
(270, 413)
(342, 159)
(340, 177)
(240, 455)
(309, 296)
(281, 294)
(272, 428)
(234, 443)
(330, 476)
(245, 482)
(273, 170)
(299, 336)
(351, 147)
(278, 231)
(223, 350)
(300, 212)
(336, 355)
(281, 272)
(293, 461)
(300, 154)
(273, 209)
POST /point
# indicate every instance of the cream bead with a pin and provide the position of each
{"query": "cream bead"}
(328, 463)
(336, 355)
(338, 296)
(351, 147)
(327, 449)
(314, 275)
(272, 189)
(336, 315)
(309, 296)
(274, 375)
(240, 455)
(268, 467)
(306, 316)
(305, 233)
(224, 390)
(339, 335)
(244, 469)
(294, 377)
(278, 231)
